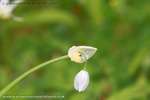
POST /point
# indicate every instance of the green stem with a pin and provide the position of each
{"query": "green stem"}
(21, 77)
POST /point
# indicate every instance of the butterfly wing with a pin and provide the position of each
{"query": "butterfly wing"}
(87, 51)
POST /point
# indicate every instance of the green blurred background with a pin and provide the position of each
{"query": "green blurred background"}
(120, 29)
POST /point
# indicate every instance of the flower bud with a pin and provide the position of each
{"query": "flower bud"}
(7, 7)
(81, 54)
(81, 80)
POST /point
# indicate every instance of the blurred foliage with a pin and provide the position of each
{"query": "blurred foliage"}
(120, 29)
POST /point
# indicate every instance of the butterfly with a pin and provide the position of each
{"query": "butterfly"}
(81, 54)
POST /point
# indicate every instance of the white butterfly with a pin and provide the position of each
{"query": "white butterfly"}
(81, 54)
(6, 9)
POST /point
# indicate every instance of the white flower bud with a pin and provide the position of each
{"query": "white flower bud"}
(81, 54)
(6, 8)
(81, 80)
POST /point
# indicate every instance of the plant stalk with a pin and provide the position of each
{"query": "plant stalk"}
(21, 77)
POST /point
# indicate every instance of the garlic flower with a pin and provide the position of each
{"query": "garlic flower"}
(7, 7)
(81, 54)
(81, 81)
